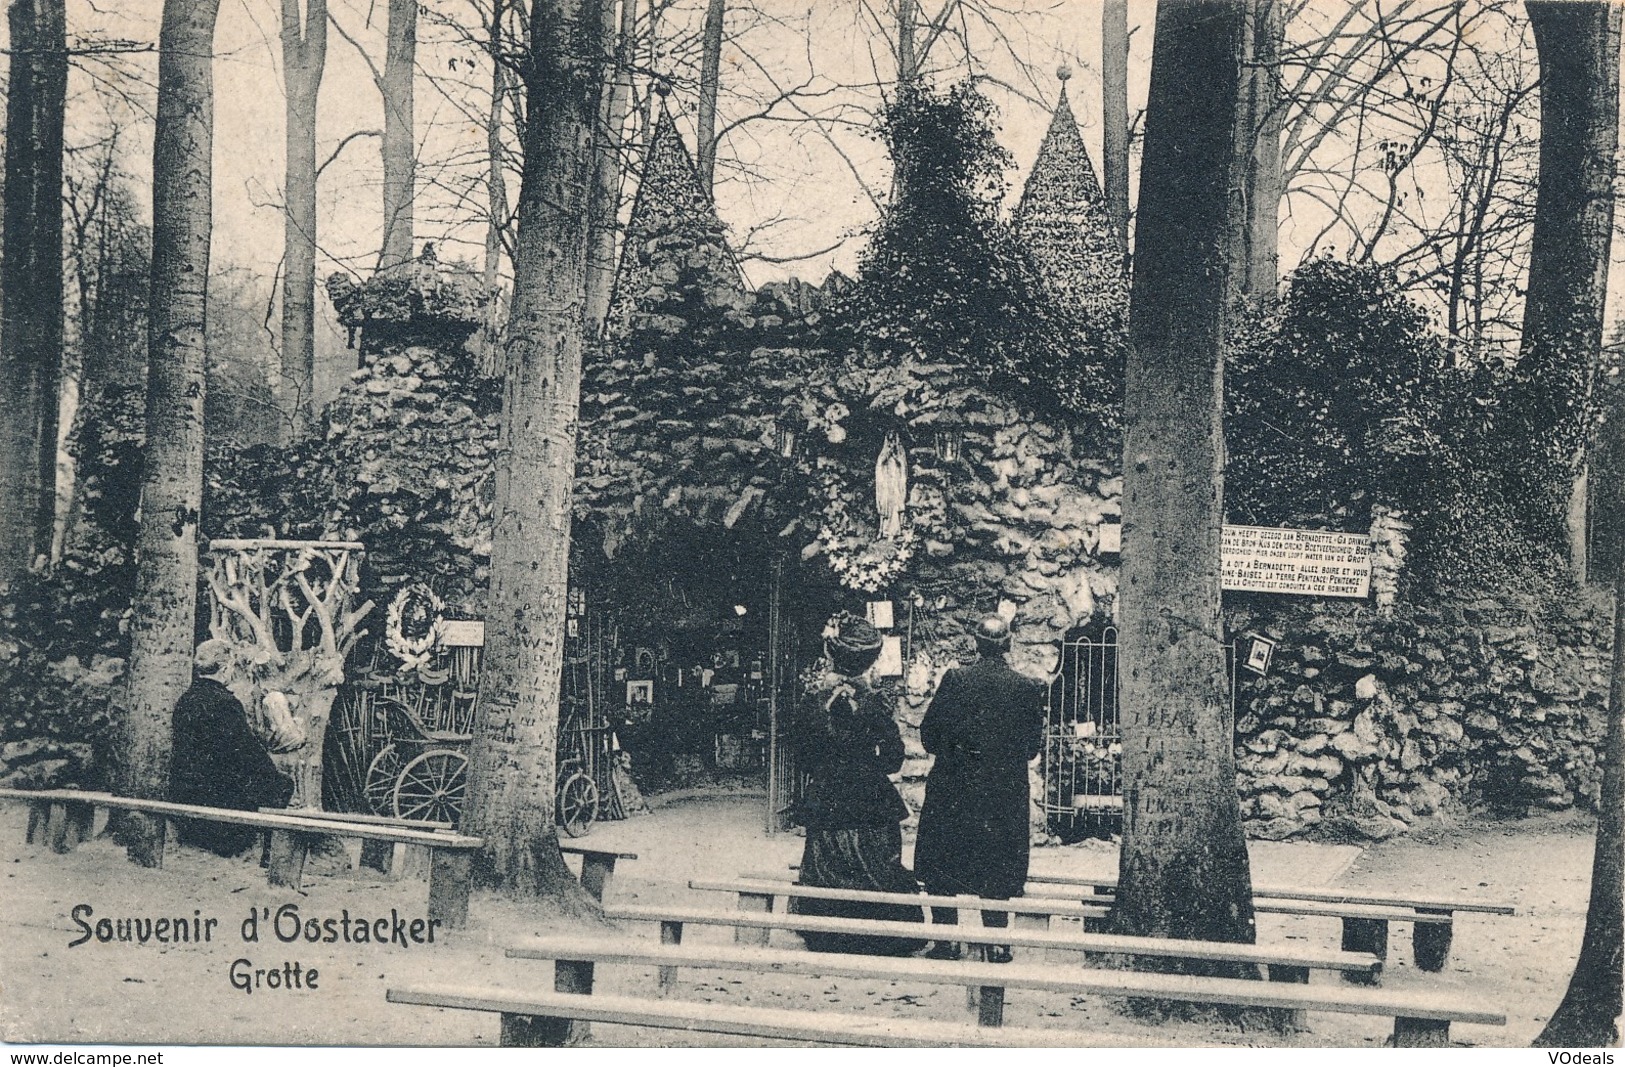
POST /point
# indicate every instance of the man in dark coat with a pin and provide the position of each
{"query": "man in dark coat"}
(984, 726)
(217, 761)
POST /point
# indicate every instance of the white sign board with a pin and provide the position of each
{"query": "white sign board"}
(462, 633)
(1261, 559)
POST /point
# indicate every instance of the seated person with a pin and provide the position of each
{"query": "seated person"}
(217, 761)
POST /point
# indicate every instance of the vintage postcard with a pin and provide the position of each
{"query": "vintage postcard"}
(740, 523)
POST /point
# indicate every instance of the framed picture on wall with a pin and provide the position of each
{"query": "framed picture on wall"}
(640, 692)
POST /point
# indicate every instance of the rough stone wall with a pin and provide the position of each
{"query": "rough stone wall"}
(1025, 540)
(1365, 725)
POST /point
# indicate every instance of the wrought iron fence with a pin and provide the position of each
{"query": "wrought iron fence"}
(1083, 740)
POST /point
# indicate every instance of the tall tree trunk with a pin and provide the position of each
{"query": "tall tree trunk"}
(710, 75)
(1589, 1013)
(1257, 259)
(1184, 865)
(1578, 45)
(608, 165)
(304, 54)
(399, 148)
(31, 283)
(907, 59)
(1114, 109)
(165, 605)
(496, 188)
(511, 803)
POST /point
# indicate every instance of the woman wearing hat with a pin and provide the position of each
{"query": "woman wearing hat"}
(848, 742)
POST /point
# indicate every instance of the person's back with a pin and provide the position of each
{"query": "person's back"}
(984, 725)
(217, 761)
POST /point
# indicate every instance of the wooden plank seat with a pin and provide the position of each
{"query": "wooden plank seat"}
(1027, 912)
(1365, 915)
(450, 855)
(392, 858)
(1285, 963)
(597, 867)
(1418, 1018)
(544, 1020)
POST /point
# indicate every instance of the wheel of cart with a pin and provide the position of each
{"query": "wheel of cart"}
(576, 803)
(420, 772)
(431, 787)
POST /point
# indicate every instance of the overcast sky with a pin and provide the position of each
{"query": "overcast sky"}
(786, 188)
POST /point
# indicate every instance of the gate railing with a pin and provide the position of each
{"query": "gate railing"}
(1083, 740)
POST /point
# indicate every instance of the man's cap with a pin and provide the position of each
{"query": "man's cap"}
(993, 632)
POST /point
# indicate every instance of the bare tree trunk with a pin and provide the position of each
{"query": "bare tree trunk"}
(1114, 125)
(399, 146)
(512, 774)
(1589, 1013)
(608, 166)
(165, 605)
(31, 283)
(496, 185)
(907, 61)
(1184, 866)
(1578, 45)
(1257, 269)
(304, 54)
(710, 75)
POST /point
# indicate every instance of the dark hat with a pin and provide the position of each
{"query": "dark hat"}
(852, 643)
(993, 634)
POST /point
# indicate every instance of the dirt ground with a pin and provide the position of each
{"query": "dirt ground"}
(183, 993)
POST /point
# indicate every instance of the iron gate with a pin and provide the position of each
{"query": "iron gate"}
(1083, 740)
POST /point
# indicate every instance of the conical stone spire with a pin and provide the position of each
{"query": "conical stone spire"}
(1061, 220)
(675, 255)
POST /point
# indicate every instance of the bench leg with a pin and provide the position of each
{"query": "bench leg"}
(451, 877)
(59, 828)
(147, 837)
(287, 867)
(1421, 1033)
(569, 976)
(537, 1031)
(1290, 1019)
(596, 871)
(39, 817)
(1031, 921)
(1365, 935)
(754, 902)
(1430, 942)
(671, 933)
(1101, 925)
(378, 855)
(990, 1006)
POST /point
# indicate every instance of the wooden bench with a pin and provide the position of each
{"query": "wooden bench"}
(1284, 963)
(549, 1020)
(760, 894)
(1419, 1020)
(597, 867)
(1365, 916)
(66, 815)
(392, 858)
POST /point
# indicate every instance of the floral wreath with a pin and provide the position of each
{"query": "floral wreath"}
(412, 625)
(862, 563)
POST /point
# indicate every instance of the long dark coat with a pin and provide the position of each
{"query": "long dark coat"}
(219, 763)
(984, 726)
(849, 743)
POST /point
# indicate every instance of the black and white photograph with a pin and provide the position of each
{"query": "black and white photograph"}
(755, 524)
